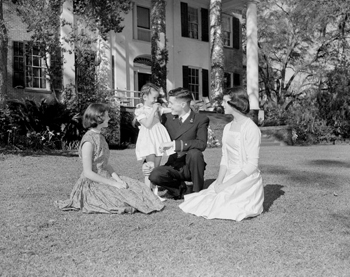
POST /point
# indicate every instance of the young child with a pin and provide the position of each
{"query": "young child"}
(152, 133)
(99, 188)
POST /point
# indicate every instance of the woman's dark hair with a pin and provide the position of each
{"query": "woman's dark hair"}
(181, 93)
(93, 116)
(239, 99)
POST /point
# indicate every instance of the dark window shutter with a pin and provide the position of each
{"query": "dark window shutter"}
(185, 73)
(236, 79)
(205, 82)
(205, 24)
(184, 20)
(236, 26)
(18, 64)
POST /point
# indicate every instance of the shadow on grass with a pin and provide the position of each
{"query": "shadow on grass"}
(207, 183)
(330, 163)
(307, 177)
(26, 153)
(271, 193)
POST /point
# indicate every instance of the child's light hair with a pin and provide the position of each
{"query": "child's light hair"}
(146, 89)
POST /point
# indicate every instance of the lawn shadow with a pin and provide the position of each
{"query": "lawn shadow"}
(207, 183)
(306, 176)
(271, 193)
(330, 163)
(26, 153)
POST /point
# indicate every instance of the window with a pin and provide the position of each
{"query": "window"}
(143, 24)
(227, 80)
(193, 25)
(236, 79)
(28, 66)
(226, 30)
(193, 82)
(236, 28)
(196, 80)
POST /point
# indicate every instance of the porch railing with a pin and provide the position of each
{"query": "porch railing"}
(128, 98)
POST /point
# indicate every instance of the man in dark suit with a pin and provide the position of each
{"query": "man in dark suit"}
(189, 132)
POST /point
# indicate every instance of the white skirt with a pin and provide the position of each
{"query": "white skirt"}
(238, 201)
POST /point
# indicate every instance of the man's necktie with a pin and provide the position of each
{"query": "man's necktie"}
(180, 120)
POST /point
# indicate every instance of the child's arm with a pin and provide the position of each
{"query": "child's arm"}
(166, 110)
(147, 121)
(87, 151)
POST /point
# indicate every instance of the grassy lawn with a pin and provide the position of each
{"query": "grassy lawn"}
(304, 230)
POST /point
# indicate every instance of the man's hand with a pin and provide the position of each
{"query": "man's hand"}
(165, 146)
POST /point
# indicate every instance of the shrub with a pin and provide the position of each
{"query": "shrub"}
(27, 124)
(307, 125)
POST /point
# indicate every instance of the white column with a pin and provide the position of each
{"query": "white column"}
(252, 57)
(66, 31)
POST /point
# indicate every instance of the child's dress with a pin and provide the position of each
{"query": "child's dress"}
(149, 139)
(92, 197)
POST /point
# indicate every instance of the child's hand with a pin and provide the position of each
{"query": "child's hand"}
(156, 106)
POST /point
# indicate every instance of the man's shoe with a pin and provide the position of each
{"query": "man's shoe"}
(182, 191)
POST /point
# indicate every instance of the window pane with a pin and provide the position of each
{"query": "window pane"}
(36, 61)
(36, 83)
(143, 34)
(192, 23)
(37, 72)
(226, 24)
(143, 17)
(36, 51)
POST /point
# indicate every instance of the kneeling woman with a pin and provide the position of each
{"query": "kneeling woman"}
(238, 192)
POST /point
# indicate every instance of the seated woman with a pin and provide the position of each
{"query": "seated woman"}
(238, 192)
(100, 189)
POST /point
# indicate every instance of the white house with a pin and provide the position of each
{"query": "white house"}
(129, 52)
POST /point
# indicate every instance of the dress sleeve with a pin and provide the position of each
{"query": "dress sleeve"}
(140, 112)
(224, 150)
(252, 139)
(88, 138)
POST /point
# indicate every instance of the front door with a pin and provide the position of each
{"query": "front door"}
(142, 78)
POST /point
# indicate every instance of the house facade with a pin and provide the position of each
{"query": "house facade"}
(187, 34)
(129, 52)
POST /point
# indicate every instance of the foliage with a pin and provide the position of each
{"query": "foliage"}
(306, 123)
(274, 115)
(3, 57)
(37, 126)
(128, 133)
(212, 140)
(103, 15)
(298, 42)
(333, 100)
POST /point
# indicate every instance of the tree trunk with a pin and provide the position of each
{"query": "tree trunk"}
(216, 50)
(3, 58)
(158, 44)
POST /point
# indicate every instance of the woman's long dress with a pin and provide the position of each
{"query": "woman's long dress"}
(239, 200)
(92, 197)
